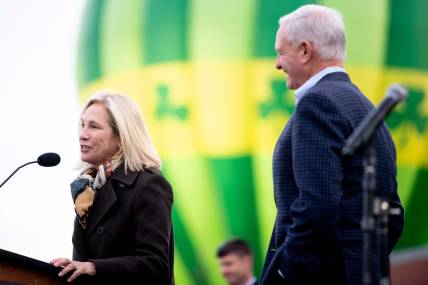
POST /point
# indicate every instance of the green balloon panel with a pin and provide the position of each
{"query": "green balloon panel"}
(203, 74)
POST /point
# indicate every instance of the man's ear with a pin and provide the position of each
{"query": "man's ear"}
(306, 51)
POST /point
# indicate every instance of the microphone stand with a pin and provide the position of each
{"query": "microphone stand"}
(368, 224)
(376, 211)
(16, 170)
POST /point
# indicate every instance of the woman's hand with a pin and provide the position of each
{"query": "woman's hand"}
(76, 267)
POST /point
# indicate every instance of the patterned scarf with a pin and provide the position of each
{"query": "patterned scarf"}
(84, 187)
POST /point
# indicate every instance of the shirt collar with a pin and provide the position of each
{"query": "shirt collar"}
(301, 91)
(252, 281)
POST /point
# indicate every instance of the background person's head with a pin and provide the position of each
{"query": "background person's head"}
(309, 39)
(236, 261)
(112, 128)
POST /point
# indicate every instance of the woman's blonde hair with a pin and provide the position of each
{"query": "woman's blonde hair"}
(136, 149)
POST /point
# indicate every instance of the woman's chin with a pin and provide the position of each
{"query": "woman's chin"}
(86, 159)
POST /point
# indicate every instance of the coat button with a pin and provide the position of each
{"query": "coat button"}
(100, 231)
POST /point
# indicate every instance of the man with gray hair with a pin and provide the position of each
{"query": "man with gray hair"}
(317, 237)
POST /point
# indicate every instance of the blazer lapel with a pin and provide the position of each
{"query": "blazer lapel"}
(104, 200)
(106, 196)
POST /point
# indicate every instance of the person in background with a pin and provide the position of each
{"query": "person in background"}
(122, 231)
(317, 237)
(236, 262)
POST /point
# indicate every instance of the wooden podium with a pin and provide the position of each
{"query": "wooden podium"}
(16, 269)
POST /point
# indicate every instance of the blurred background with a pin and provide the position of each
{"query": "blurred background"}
(203, 74)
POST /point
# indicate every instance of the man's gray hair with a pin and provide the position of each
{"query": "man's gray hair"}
(321, 26)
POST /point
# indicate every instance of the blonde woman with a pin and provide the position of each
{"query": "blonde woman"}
(123, 230)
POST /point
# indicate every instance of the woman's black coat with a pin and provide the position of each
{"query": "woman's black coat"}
(129, 236)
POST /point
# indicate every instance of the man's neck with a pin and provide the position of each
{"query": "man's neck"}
(324, 64)
(245, 280)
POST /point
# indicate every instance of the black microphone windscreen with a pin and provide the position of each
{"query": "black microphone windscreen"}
(48, 159)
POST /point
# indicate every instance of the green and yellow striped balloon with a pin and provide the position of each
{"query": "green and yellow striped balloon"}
(203, 74)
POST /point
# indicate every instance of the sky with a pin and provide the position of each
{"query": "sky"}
(39, 111)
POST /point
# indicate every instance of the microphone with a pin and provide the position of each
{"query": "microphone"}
(47, 160)
(365, 130)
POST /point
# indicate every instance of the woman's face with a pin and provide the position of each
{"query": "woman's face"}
(98, 142)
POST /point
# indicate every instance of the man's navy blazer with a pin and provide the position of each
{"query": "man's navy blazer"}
(317, 237)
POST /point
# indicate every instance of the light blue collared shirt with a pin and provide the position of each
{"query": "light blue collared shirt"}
(252, 280)
(301, 91)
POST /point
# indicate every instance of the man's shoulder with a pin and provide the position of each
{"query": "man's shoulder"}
(333, 83)
(339, 89)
